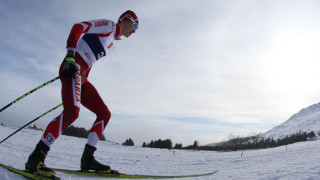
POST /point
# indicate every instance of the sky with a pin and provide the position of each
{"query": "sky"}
(194, 70)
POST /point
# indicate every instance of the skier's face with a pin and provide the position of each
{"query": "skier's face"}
(128, 30)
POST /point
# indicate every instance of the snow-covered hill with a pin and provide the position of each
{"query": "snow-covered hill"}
(295, 162)
(306, 120)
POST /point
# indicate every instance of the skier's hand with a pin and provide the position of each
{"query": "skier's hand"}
(69, 65)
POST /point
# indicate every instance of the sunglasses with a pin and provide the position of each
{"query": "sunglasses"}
(135, 26)
(134, 23)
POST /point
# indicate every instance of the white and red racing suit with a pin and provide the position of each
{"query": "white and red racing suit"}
(98, 39)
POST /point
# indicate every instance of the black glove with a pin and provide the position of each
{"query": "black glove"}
(69, 65)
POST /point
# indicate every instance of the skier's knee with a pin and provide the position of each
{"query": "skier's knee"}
(71, 114)
(104, 114)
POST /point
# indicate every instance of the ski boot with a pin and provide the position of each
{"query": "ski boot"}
(35, 163)
(88, 162)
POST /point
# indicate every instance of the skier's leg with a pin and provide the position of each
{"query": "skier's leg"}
(71, 98)
(91, 99)
(71, 90)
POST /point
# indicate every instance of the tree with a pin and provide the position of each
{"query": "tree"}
(195, 145)
(272, 143)
(144, 144)
(129, 142)
(178, 146)
(151, 144)
(311, 134)
(167, 144)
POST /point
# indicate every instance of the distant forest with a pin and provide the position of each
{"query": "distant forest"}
(255, 142)
(234, 143)
(71, 131)
(79, 132)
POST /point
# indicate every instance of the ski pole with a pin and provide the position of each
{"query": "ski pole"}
(31, 122)
(33, 90)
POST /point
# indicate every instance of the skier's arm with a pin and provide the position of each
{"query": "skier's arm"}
(74, 36)
(100, 26)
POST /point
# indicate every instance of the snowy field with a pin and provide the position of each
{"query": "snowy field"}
(296, 161)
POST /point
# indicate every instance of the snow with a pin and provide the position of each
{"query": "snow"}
(295, 161)
(306, 120)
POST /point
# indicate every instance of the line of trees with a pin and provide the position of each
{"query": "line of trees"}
(79, 132)
(70, 131)
(255, 142)
(159, 144)
(167, 144)
(234, 143)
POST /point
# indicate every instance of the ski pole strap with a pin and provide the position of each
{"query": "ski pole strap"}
(33, 90)
(31, 122)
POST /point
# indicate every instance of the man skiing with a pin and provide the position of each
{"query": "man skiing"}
(98, 39)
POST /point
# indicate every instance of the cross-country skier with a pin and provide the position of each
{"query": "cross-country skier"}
(98, 39)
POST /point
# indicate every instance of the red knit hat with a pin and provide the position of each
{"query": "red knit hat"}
(127, 16)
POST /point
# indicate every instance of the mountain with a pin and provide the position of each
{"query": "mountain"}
(306, 120)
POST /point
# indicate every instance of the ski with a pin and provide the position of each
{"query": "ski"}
(97, 174)
(135, 176)
(28, 174)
